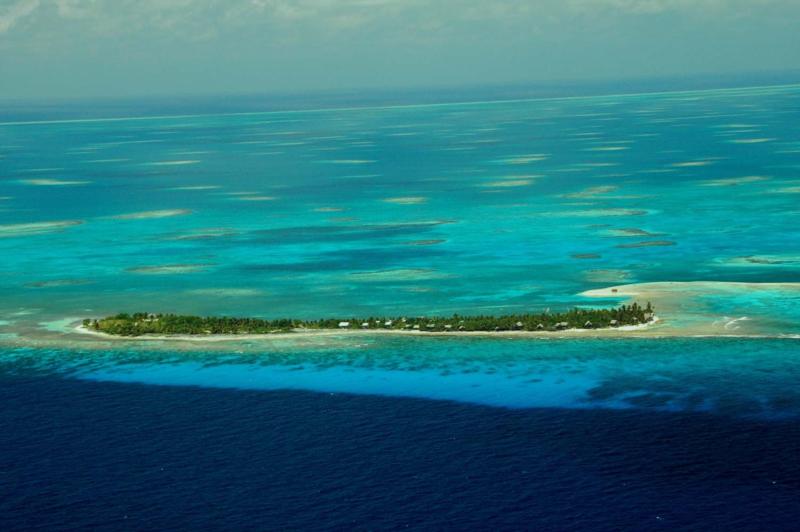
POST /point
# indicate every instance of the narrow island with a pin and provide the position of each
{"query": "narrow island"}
(144, 324)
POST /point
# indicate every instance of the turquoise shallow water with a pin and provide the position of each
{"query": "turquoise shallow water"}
(491, 207)
(728, 377)
(478, 208)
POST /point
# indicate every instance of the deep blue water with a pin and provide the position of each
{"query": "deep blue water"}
(658, 434)
(91, 455)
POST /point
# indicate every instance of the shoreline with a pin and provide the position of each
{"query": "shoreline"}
(609, 332)
(652, 330)
(72, 335)
(683, 313)
(620, 318)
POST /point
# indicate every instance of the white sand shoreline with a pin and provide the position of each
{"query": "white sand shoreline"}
(624, 331)
(645, 331)
(680, 316)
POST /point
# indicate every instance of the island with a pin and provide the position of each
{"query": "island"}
(144, 323)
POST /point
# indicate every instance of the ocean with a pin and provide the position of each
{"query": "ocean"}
(485, 208)
(649, 434)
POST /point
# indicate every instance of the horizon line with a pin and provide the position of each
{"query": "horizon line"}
(401, 106)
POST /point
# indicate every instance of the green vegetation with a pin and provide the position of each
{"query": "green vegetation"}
(144, 323)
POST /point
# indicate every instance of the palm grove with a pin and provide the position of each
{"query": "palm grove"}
(141, 323)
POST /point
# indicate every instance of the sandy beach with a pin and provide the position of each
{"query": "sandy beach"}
(653, 329)
(684, 309)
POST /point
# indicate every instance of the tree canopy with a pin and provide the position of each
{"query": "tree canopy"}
(141, 323)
